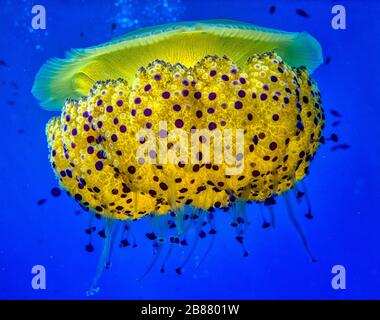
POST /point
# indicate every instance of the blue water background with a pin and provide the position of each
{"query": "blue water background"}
(342, 184)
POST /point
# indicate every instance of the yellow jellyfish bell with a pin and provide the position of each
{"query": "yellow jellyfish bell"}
(243, 92)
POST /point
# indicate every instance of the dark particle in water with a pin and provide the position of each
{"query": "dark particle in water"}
(14, 85)
(81, 34)
(335, 113)
(113, 26)
(41, 202)
(300, 194)
(55, 192)
(266, 225)
(309, 215)
(172, 225)
(342, 146)
(11, 103)
(178, 271)
(327, 60)
(89, 248)
(3, 63)
(336, 123)
(334, 137)
(202, 234)
(151, 235)
(272, 9)
(20, 131)
(302, 13)
(240, 239)
(90, 230)
(124, 243)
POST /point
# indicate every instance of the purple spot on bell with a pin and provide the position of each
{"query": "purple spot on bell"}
(238, 105)
(166, 95)
(212, 96)
(179, 123)
(99, 165)
(147, 112)
(197, 95)
(212, 126)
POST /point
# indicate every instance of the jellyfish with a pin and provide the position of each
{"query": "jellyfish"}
(124, 146)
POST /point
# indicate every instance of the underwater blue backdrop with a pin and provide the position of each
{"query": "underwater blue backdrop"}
(342, 183)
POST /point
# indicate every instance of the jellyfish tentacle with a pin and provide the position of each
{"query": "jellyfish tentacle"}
(162, 268)
(298, 226)
(212, 232)
(309, 213)
(195, 242)
(114, 236)
(159, 225)
(109, 226)
(157, 254)
(272, 216)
